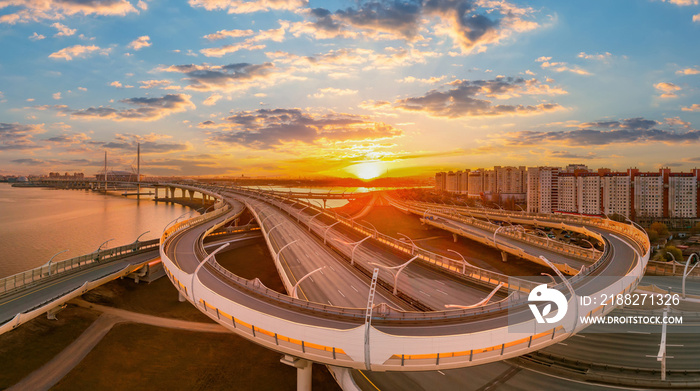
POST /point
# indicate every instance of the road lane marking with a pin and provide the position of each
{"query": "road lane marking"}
(355, 289)
(424, 293)
(444, 293)
(341, 293)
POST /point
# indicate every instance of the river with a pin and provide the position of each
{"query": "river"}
(36, 223)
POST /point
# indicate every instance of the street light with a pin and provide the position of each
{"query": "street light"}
(208, 257)
(49, 262)
(413, 244)
(312, 217)
(103, 243)
(464, 261)
(299, 213)
(296, 286)
(352, 253)
(139, 237)
(398, 269)
(486, 300)
(568, 286)
(376, 233)
(327, 229)
(686, 271)
(277, 256)
(270, 230)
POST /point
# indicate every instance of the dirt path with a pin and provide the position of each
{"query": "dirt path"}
(53, 371)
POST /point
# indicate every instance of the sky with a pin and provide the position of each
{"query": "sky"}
(296, 88)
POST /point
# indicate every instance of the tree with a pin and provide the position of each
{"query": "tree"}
(660, 228)
(677, 253)
(653, 235)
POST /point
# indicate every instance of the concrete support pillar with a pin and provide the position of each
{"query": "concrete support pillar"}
(454, 237)
(504, 256)
(324, 203)
(190, 193)
(51, 314)
(180, 297)
(303, 371)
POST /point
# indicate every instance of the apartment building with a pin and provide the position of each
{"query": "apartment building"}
(588, 194)
(682, 195)
(567, 193)
(616, 194)
(648, 194)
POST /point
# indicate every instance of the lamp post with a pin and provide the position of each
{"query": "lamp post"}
(277, 256)
(312, 217)
(464, 261)
(396, 274)
(299, 213)
(376, 233)
(356, 244)
(568, 286)
(686, 271)
(54, 256)
(208, 257)
(413, 244)
(482, 302)
(270, 230)
(296, 286)
(328, 229)
(103, 243)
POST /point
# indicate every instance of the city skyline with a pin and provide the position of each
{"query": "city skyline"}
(343, 88)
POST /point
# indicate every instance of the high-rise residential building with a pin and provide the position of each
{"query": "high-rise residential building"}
(543, 189)
(490, 182)
(452, 182)
(588, 193)
(567, 193)
(682, 195)
(476, 183)
(576, 169)
(648, 194)
(463, 180)
(441, 181)
(510, 180)
(616, 194)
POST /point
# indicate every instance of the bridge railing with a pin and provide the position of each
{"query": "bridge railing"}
(637, 234)
(451, 264)
(34, 276)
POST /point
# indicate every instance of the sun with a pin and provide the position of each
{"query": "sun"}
(367, 170)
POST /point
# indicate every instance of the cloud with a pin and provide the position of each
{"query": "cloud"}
(431, 80)
(57, 95)
(696, 18)
(272, 128)
(569, 155)
(221, 34)
(632, 131)
(63, 31)
(18, 136)
(212, 99)
(598, 56)
(546, 63)
(472, 25)
(228, 49)
(140, 43)
(330, 91)
(144, 109)
(693, 107)
(682, 2)
(22, 11)
(228, 78)
(36, 37)
(69, 139)
(688, 71)
(248, 6)
(78, 51)
(142, 5)
(460, 98)
(162, 84)
(667, 89)
(118, 84)
(150, 143)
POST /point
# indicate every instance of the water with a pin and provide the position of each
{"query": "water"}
(36, 223)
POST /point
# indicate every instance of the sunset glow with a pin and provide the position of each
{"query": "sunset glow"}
(317, 88)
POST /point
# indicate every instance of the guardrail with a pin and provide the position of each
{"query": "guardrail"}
(54, 270)
(426, 256)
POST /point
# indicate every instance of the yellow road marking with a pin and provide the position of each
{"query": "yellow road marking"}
(370, 381)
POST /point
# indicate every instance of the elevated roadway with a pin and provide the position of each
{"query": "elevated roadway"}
(366, 338)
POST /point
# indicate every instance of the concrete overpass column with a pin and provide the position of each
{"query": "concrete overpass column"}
(504, 256)
(180, 297)
(454, 237)
(303, 371)
(190, 193)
